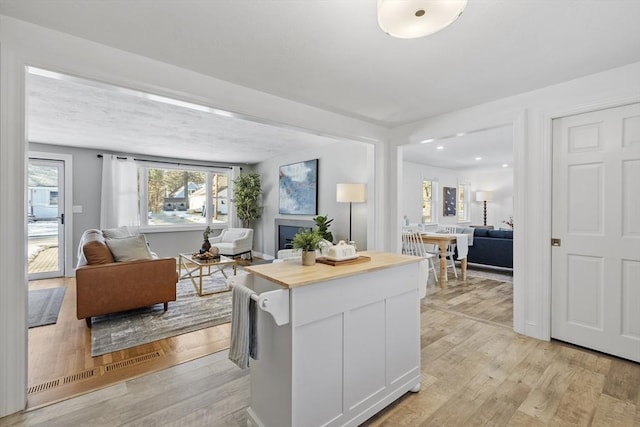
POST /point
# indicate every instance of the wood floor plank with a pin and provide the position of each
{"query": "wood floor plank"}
(579, 402)
(544, 399)
(612, 412)
(475, 371)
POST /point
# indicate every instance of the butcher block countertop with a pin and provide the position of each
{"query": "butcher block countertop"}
(292, 274)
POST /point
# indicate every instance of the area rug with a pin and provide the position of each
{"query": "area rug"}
(188, 313)
(44, 306)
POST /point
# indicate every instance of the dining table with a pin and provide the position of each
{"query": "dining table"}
(443, 240)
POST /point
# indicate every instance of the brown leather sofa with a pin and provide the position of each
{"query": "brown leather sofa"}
(104, 285)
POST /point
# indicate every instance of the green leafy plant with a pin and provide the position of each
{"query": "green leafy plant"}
(307, 240)
(323, 223)
(247, 190)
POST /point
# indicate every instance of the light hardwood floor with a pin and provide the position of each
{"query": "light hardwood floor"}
(475, 369)
(60, 362)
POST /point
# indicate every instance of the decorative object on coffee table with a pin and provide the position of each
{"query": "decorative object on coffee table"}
(308, 241)
(206, 245)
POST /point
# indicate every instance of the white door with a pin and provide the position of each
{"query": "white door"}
(45, 218)
(596, 216)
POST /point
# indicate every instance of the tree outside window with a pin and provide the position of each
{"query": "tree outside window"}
(177, 196)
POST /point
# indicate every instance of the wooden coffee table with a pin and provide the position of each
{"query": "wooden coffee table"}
(195, 269)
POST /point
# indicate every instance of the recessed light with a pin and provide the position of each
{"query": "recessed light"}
(426, 141)
(439, 147)
(504, 165)
(478, 158)
(460, 134)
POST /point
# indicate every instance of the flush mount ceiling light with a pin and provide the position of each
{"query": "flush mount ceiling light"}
(408, 19)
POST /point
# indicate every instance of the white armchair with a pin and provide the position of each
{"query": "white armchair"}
(234, 241)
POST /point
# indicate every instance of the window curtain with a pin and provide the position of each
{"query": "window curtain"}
(234, 222)
(119, 199)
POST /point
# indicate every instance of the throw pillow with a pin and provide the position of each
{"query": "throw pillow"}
(116, 233)
(97, 252)
(129, 248)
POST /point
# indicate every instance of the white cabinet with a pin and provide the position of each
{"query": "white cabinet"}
(351, 347)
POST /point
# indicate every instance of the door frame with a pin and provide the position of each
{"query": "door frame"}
(67, 160)
(547, 185)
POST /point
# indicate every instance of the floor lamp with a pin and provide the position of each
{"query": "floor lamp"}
(351, 193)
(484, 197)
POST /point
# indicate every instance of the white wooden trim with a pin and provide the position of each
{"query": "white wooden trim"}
(13, 248)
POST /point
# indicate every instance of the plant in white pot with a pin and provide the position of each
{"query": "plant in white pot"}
(308, 241)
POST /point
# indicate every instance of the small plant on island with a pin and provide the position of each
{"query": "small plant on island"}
(307, 240)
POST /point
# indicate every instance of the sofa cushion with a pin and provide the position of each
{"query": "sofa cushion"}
(503, 234)
(129, 248)
(97, 252)
(481, 232)
(116, 233)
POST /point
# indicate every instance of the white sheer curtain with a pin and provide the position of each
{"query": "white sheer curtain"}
(234, 222)
(119, 201)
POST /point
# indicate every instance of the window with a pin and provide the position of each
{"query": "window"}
(463, 202)
(429, 200)
(183, 197)
(53, 198)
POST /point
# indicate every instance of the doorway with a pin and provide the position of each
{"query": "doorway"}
(45, 218)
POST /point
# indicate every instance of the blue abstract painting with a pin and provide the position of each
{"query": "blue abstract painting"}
(298, 184)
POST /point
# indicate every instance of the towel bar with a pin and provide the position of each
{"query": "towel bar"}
(275, 302)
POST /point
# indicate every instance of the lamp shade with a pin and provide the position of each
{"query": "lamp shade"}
(484, 196)
(354, 193)
(407, 19)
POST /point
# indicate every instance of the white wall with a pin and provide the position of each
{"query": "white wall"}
(530, 115)
(342, 162)
(500, 181)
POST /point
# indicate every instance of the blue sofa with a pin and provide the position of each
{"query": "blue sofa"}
(491, 247)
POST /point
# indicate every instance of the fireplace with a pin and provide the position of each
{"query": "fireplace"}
(286, 229)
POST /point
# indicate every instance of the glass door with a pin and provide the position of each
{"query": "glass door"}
(45, 217)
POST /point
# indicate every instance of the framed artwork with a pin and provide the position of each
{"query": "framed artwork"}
(449, 201)
(298, 185)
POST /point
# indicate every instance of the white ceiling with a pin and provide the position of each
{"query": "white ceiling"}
(482, 149)
(332, 55)
(76, 112)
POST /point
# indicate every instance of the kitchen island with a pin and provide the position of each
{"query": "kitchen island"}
(336, 344)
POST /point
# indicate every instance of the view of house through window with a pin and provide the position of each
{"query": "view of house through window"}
(176, 196)
(427, 201)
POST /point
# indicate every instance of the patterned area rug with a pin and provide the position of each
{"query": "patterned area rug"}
(44, 306)
(188, 313)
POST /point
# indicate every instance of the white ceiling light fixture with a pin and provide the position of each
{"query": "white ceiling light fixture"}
(409, 19)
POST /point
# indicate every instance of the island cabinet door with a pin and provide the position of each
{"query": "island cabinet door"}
(355, 345)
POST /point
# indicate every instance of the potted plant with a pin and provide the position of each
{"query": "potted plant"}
(308, 241)
(323, 223)
(247, 190)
